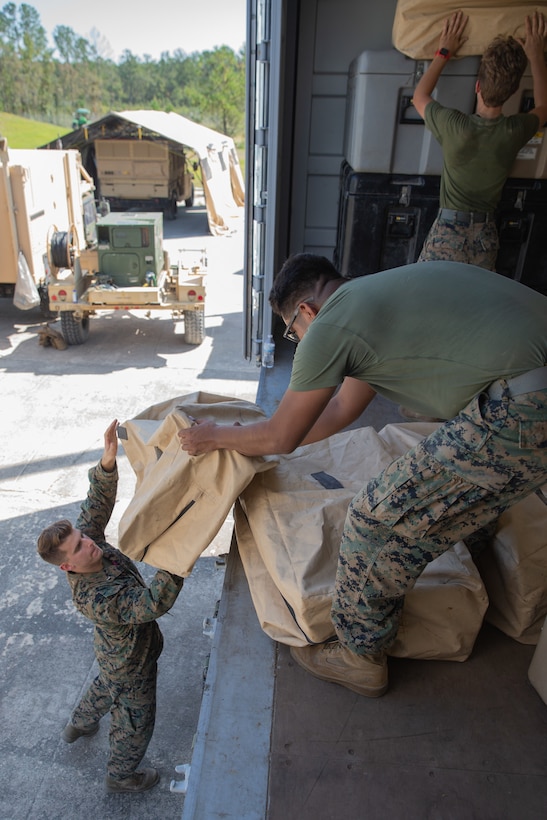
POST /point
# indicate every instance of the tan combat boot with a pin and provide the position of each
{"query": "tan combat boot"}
(137, 782)
(332, 661)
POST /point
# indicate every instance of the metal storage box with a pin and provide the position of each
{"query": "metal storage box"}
(382, 220)
(383, 131)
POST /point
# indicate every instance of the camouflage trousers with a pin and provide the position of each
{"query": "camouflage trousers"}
(132, 708)
(455, 482)
(473, 244)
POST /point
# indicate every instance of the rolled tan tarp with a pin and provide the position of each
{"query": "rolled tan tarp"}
(418, 23)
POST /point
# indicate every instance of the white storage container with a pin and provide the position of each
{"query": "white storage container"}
(531, 161)
(383, 131)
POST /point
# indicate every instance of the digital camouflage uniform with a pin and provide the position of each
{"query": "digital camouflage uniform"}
(452, 484)
(467, 241)
(127, 640)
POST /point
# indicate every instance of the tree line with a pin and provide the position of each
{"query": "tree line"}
(50, 84)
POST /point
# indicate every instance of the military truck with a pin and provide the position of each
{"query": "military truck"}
(147, 174)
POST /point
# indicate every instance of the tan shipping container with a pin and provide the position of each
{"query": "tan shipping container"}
(39, 191)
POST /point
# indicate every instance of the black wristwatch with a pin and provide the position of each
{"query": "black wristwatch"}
(443, 52)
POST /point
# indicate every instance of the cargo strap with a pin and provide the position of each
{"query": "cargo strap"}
(464, 217)
(526, 383)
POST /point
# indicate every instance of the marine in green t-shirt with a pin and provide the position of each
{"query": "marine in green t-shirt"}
(429, 337)
(479, 149)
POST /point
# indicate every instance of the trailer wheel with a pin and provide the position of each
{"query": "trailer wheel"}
(190, 201)
(194, 326)
(75, 329)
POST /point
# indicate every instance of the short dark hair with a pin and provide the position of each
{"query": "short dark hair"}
(51, 539)
(297, 278)
(501, 69)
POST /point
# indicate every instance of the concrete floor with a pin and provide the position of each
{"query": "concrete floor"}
(55, 408)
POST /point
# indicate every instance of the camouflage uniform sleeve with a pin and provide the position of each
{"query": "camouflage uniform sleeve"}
(97, 507)
(131, 603)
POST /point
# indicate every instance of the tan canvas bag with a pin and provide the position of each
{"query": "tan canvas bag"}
(289, 524)
(514, 570)
(181, 501)
(417, 24)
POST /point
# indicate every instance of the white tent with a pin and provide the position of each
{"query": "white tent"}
(222, 179)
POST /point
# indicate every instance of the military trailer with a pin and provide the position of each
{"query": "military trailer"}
(124, 268)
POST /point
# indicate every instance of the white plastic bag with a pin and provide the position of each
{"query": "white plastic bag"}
(26, 294)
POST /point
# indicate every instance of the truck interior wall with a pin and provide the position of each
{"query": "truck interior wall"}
(314, 205)
(297, 86)
(320, 109)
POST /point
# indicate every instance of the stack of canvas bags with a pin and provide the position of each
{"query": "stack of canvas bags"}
(417, 24)
(289, 524)
(514, 570)
(181, 501)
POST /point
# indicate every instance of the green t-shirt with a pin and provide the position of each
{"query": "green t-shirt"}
(478, 154)
(429, 336)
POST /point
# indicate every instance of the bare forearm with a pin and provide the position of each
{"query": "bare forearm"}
(282, 433)
(539, 77)
(451, 40)
(259, 439)
(343, 409)
(426, 85)
(534, 48)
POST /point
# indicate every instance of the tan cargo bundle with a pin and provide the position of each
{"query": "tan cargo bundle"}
(289, 523)
(418, 23)
(181, 501)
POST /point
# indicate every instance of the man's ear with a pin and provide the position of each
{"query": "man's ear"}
(309, 309)
(65, 567)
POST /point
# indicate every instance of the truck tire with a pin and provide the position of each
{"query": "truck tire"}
(194, 326)
(172, 208)
(44, 303)
(75, 330)
(190, 201)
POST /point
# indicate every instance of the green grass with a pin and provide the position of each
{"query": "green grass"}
(23, 133)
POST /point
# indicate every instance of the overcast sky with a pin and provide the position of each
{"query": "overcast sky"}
(149, 27)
